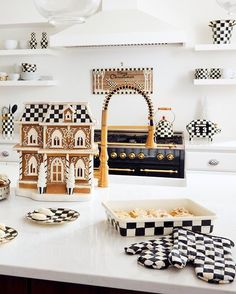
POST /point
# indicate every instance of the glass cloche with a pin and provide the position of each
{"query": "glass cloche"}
(228, 5)
(64, 11)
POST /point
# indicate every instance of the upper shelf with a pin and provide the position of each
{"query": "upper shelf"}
(215, 82)
(215, 47)
(28, 52)
(38, 83)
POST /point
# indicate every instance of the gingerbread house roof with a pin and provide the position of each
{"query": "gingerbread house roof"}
(51, 113)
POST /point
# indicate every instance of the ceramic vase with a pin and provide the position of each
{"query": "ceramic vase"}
(33, 42)
(44, 41)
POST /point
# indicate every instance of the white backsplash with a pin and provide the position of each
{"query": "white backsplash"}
(173, 66)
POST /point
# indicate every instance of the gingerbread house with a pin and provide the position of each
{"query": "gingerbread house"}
(55, 140)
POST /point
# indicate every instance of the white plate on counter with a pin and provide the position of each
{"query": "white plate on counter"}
(60, 216)
(10, 234)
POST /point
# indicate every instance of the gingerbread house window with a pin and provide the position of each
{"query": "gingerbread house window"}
(80, 169)
(32, 167)
(80, 139)
(32, 137)
(68, 115)
(57, 170)
(57, 139)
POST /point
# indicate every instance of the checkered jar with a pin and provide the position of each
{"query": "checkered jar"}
(222, 30)
(8, 126)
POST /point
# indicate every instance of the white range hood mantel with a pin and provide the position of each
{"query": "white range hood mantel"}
(119, 27)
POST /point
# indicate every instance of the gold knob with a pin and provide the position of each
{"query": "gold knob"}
(132, 155)
(170, 156)
(113, 155)
(122, 155)
(141, 155)
(160, 156)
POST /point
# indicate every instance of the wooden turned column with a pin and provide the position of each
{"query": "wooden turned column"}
(103, 168)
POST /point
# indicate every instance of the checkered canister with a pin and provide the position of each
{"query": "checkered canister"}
(8, 126)
(222, 30)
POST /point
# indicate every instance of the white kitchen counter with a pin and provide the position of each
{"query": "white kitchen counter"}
(89, 251)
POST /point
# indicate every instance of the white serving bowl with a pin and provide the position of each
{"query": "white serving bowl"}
(13, 77)
(30, 76)
(10, 44)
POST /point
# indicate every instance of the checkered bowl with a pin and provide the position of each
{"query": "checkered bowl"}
(202, 221)
(222, 30)
(27, 67)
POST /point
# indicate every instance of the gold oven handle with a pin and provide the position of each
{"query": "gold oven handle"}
(170, 171)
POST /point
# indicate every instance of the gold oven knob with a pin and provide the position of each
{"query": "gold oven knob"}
(132, 155)
(160, 156)
(122, 155)
(113, 155)
(141, 155)
(170, 156)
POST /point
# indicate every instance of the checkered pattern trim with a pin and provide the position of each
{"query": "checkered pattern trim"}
(61, 215)
(7, 125)
(164, 130)
(211, 256)
(222, 31)
(34, 112)
(54, 113)
(201, 128)
(10, 235)
(159, 228)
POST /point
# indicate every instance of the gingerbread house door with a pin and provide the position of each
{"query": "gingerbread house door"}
(57, 177)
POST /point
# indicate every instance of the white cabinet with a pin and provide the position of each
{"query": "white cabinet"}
(19, 12)
(211, 161)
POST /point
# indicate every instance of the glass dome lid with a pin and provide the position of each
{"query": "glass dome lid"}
(228, 5)
(67, 11)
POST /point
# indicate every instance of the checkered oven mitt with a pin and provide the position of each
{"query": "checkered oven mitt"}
(210, 255)
(153, 253)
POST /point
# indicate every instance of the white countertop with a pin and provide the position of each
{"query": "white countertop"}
(223, 144)
(89, 251)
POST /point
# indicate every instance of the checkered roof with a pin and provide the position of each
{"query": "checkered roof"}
(54, 113)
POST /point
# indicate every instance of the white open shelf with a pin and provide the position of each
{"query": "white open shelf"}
(28, 52)
(20, 83)
(215, 82)
(215, 47)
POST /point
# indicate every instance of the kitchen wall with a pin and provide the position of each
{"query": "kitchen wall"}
(173, 78)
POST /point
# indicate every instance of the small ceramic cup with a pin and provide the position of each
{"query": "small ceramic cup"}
(13, 77)
(229, 73)
(201, 73)
(10, 44)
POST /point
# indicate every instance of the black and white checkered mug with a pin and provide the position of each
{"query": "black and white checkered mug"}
(222, 30)
(201, 73)
(8, 125)
(215, 73)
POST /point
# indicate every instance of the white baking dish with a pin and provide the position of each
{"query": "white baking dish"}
(202, 221)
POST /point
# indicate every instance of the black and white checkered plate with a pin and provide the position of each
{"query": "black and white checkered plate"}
(10, 235)
(61, 216)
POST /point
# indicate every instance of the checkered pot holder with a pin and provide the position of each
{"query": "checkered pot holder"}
(153, 253)
(210, 255)
(222, 31)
